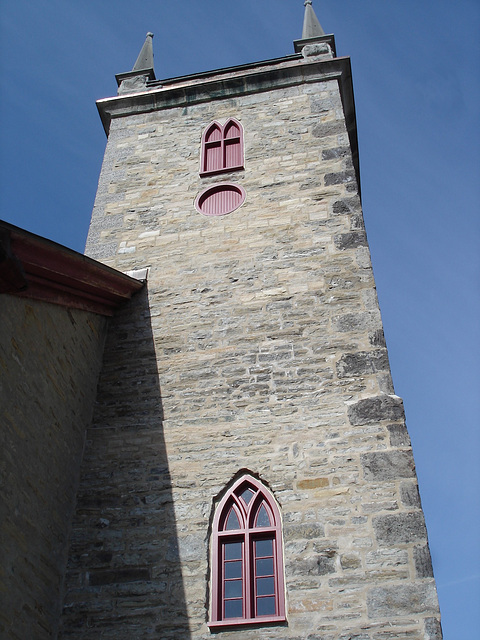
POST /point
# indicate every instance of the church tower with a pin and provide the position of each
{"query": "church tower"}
(248, 473)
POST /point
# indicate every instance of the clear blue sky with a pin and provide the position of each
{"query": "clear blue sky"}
(416, 69)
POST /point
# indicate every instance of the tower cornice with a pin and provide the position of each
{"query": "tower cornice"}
(236, 81)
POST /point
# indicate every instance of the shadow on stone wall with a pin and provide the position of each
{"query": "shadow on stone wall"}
(124, 579)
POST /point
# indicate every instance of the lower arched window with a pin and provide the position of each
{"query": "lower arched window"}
(247, 557)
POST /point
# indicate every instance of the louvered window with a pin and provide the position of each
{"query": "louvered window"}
(222, 148)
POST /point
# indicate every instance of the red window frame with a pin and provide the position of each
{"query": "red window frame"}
(222, 148)
(247, 583)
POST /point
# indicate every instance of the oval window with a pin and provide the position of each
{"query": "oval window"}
(220, 199)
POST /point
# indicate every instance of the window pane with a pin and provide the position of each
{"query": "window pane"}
(247, 495)
(264, 567)
(233, 608)
(232, 521)
(234, 569)
(233, 551)
(266, 606)
(265, 587)
(262, 519)
(263, 548)
(233, 588)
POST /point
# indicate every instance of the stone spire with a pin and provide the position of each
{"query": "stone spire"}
(143, 72)
(145, 57)
(311, 26)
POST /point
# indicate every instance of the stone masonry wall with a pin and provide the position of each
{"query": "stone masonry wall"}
(260, 348)
(49, 363)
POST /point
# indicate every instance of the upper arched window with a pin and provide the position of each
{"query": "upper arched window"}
(247, 557)
(222, 148)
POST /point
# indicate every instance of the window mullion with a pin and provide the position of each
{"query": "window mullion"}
(249, 578)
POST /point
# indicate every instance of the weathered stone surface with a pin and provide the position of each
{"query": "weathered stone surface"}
(350, 561)
(423, 562)
(388, 465)
(401, 528)
(401, 600)
(377, 338)
(317, 565)
(320, 49)
(410, 495)
(350, 240)
(399, 435)
(355, 322)
(345, 206)
(362, 362)
(371, 410)
(330, 128)
(313, 483)
(339, 178)
(331, 154)
(433, 629)
(307, 531)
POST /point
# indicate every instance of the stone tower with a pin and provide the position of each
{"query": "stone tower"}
(248, 472)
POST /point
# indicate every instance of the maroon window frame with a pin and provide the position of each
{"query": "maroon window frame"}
(222, 148)
(247, 557)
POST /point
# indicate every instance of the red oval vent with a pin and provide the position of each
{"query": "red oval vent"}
(220, 199)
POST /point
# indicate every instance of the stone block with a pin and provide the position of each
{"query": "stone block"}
(350, 240)
(401, 600)
(329, 128)
(410, 495)
(315, 565)
(423, 562)
(313, 483)
(341, 177)
(362, 363)
(388, 465)
(377, 338)
(350, 561)
(433, 629)
(399, 435)
(401, 528)
(356, 321)
(370, 410)
(306, 531)
(333, 154)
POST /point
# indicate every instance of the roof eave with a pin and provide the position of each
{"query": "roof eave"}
(40, 269)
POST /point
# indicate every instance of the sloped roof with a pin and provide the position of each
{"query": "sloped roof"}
(36, 268)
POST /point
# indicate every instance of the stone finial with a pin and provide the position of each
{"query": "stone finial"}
(136, 80)
(145, 57)
(311, 26)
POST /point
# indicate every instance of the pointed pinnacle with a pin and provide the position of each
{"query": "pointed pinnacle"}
(311, 26)
(145, 57)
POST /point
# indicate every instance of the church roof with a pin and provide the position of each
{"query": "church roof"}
(36, 268)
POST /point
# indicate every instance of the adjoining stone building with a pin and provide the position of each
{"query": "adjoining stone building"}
(247, 471)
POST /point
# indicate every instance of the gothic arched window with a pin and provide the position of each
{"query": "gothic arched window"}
(222, 148)
(247, 557)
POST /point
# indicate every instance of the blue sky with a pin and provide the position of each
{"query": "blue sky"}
(416, 69)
